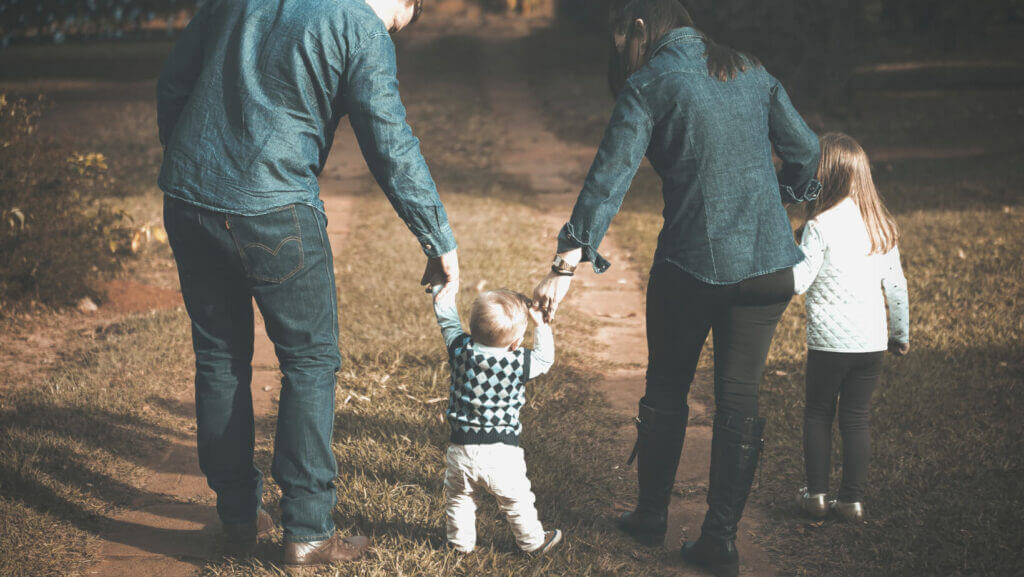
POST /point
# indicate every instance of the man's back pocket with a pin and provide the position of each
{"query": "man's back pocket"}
(270, 244)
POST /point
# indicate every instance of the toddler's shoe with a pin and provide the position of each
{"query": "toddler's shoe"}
(812, 504)
(851, 512)
(551, 540)
(456, 548)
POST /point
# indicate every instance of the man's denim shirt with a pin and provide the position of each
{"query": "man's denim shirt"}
(252, 93)
(711, 144)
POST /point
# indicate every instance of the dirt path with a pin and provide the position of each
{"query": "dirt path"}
(172, 534)
(555, 169)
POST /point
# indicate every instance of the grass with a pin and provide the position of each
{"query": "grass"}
(72, 442)
(944, 492)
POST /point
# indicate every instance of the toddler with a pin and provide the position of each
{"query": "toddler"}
(489, 370)
(851, 274)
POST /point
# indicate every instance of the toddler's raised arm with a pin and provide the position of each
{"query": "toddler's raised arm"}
(543, 354)
(447, 314)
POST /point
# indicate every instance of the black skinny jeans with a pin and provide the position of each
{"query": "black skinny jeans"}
(742, 317)
(846, 379)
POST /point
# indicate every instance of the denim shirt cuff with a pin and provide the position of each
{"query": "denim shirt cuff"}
(568, 240)
(438, 242)
(810, 192)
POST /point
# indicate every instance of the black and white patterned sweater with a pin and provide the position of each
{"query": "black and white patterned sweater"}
(487, 388)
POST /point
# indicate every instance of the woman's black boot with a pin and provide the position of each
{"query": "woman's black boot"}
(659, 443)
(735, 447)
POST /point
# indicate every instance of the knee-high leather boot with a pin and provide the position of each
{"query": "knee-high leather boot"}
(735, 448)
(659, 443)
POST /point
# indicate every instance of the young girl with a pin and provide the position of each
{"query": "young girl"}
(851, 260)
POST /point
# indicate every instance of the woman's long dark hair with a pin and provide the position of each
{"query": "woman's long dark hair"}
(659, 17)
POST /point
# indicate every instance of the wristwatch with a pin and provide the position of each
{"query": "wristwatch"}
(559, 266)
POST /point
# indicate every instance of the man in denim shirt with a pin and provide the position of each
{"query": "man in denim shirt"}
(248, 103)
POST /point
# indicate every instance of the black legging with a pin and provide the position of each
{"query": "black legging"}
(848, 378)
(680, 311)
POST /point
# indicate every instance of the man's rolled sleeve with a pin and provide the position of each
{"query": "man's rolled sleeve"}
(391, 150)
(438, 237)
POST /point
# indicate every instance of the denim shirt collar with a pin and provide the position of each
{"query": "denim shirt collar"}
(676, 35)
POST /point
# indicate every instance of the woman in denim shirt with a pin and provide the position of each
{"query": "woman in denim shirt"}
(707, 118)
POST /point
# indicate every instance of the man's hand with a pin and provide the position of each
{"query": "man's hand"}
(442, 270)
(549, 293)
(897, 348)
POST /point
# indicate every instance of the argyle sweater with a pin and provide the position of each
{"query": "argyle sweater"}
(488, 384)
(486, 394)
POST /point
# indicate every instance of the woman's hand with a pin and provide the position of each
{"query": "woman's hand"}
(549, 293)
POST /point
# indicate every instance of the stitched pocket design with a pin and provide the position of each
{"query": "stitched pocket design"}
(270, 244)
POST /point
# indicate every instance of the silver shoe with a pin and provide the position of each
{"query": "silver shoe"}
(852, 512)
(813, 505)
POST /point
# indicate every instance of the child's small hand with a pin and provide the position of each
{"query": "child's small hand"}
(897, 348)
(537, 315)
(447, 298)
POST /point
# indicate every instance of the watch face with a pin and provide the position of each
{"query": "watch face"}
(560, 264)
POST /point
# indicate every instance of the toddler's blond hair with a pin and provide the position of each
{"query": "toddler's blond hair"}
(499, 317)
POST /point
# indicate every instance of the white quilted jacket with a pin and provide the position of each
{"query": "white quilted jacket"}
(847, 288)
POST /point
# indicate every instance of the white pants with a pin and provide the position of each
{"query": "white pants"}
(501, 471)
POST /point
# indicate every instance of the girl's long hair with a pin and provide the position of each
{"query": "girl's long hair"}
(844, 171)
(661, 16)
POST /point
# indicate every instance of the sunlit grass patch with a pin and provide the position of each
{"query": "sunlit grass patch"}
(72, 444)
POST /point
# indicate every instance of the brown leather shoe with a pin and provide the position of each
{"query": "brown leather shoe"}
(240, 539)
(333, 550)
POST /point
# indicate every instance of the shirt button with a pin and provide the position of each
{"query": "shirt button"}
(428, 246)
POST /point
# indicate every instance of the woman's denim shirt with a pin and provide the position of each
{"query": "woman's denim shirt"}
(252, 93)
(711, 143)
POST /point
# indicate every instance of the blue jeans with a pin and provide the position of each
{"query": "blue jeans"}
(282, 260)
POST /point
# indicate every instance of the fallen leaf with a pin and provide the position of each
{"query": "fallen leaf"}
(87, 306)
